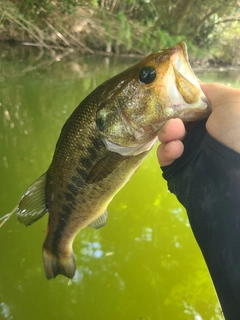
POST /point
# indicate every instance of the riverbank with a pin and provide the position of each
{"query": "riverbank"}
(62, 27)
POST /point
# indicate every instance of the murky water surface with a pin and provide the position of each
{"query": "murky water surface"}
(144, 264)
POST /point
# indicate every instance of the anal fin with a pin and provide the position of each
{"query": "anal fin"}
(100, 221)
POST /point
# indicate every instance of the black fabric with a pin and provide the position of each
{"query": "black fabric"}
(206, 180)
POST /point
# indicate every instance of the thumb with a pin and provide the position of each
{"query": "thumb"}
(218, 94)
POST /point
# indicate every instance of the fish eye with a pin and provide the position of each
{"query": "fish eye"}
(147, 74)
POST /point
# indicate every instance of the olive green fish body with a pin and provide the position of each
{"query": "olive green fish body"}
(102, 144)
(81, 181)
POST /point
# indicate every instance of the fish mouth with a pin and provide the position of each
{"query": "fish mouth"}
(181, 66)
(187, 98)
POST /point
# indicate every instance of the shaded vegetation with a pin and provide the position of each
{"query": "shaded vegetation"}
(126, 26)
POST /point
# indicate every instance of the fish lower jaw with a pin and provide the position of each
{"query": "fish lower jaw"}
(129, 150)
(194, 111)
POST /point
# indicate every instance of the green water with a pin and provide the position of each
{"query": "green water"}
(144, 264)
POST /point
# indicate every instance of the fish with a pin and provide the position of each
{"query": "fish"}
(103, 143)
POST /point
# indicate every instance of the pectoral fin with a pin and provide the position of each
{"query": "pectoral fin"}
(104, 167)
(32, 205)
(100, 221)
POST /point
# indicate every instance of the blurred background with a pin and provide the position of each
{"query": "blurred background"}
(144, 264)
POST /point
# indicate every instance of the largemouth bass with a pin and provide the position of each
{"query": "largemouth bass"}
(102, 144)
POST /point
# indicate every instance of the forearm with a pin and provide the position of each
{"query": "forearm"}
(208, 185)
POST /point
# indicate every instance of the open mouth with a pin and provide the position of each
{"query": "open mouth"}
(181, 65)
(187, 99)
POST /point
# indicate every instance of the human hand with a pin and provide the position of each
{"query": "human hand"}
(170, 136)
(223, 123)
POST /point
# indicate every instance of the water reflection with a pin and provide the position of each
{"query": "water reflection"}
(92, 249)
(144, 264)
(5, 311)
(146, 235)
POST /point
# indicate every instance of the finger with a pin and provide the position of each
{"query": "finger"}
(172, 130)
(223, 123)
(169, 152)
(218, 94)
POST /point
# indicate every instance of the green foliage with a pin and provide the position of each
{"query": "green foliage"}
(34, 8)
(133, 26)
(94, 3)
(226, 48)
(125, 30)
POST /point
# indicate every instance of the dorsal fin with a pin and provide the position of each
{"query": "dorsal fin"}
(32, 205)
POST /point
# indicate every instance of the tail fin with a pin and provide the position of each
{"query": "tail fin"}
(54, 265)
